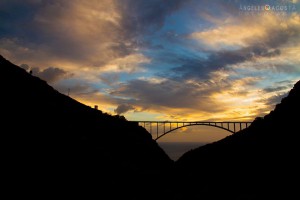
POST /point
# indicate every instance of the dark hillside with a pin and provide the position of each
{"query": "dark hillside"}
(52, 142)
(260, 162)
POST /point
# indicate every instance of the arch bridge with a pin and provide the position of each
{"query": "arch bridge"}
(159, 129)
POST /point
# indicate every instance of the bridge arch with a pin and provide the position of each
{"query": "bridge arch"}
(177, 128)
(168, 126)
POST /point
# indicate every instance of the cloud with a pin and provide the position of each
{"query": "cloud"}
(87, 93)
(128, 64)
(25, 66)
(166, 94)
(87, 33)
(85, 38)
(275, 99)
(218, 98)
(271, 31)
(228, 36)
(200, 68)
(51, 74)
(123, 108)
(276, 89)
(110, 78)
(245, 40)
(146, 16)
(212, 64)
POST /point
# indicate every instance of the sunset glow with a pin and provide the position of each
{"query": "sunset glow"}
(159, 60)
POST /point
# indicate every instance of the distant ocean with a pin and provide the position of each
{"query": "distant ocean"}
(177, 149)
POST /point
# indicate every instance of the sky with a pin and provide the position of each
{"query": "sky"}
(175, 60)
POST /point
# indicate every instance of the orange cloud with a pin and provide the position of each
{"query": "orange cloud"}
(245, 30)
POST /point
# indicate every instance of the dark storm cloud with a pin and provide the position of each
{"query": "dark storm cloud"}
(123, 108)
(200, 68)
(15, 18)
(144, 15)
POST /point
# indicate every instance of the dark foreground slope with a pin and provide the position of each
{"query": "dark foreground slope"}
(53, 143)
(260, 162)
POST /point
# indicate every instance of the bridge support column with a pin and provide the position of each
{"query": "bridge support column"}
(234, 127)
(157, 129)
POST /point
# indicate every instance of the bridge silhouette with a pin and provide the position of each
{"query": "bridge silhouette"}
(159, 129)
